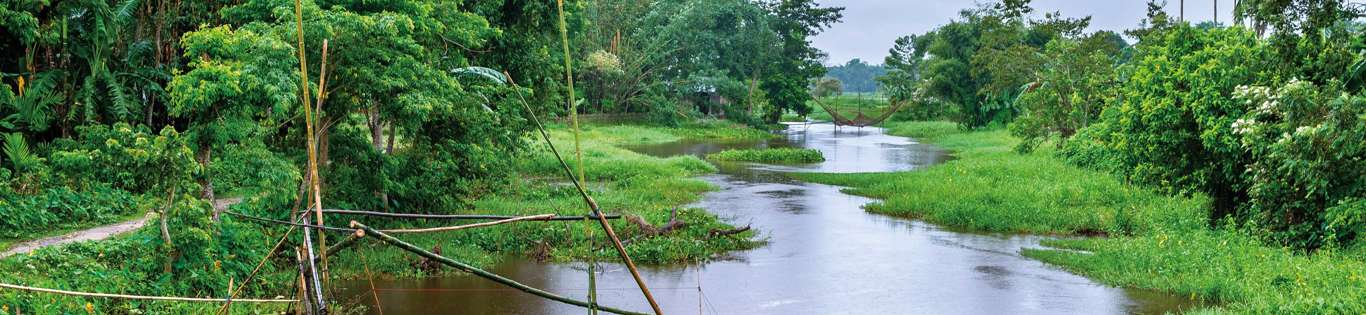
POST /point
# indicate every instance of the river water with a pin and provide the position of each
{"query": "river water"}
(825, 254)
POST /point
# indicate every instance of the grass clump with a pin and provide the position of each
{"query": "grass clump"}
(990, 188)
(770, 155)
(1227, 268)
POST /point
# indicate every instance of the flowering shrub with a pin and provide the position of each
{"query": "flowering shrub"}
(1307, 179)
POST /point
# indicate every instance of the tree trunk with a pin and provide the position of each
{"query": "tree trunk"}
(205, 180)
(376, 129)
(166, 230)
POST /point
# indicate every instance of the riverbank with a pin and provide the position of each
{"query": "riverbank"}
(1155, 242)
(623, 182)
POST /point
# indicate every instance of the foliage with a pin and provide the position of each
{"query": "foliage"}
(1307, 177)
(62, 207)
(826, 87)
(771, 155)
(797, 61)
(126, 157)
(1173, 124)
(1074, 82)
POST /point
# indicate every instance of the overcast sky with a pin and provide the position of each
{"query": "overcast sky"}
(870, 26)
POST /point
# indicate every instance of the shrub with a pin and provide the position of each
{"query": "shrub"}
(1308, 170)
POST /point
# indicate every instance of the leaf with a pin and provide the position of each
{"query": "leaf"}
(487, 73)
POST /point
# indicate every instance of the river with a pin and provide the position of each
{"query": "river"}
(825, 254)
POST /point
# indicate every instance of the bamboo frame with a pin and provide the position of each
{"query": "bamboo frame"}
(483, 274)
(456, 216)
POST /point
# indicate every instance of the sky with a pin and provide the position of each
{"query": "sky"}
(870, 26)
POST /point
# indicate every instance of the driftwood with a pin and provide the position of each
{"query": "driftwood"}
(484, 274)
(714, 233)
(428, 265)
(674, 224)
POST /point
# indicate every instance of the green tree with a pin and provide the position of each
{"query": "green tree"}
(798, 62)
(237, 79)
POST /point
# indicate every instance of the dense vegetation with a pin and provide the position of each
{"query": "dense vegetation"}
(113, 108)
(1224, 162)
(1265, 119)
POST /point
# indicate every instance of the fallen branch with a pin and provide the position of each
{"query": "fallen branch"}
(484, 274)
(652, 230)
(719, 233)
(542, 217)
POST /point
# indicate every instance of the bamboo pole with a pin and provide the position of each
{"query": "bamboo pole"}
(308, 124)
(455, 216)
(137, 297)
(481, 273)
(313, 272)
(542, 217)
(593, 205)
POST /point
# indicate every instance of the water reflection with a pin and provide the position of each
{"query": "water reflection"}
(825, 254)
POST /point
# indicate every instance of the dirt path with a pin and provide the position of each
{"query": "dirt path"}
(97, 233)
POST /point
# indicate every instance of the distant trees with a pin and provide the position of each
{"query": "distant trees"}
(857, 76)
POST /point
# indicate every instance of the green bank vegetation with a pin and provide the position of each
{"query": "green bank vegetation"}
(770, 155)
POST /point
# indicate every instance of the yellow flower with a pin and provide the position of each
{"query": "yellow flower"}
(89, 308)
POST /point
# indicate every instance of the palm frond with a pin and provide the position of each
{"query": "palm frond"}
(487, 73)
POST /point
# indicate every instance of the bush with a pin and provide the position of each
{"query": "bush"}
(62, 207)
(1173, 124)
(1308, 147)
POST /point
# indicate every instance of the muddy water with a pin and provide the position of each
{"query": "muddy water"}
(825, 254)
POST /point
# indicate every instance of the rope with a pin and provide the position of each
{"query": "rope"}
(541, 217)
(455, 216)
(365, 261)
(139, 297)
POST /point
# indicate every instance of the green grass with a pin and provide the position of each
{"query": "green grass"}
(988, 187)
(1156, 242)
(1227, 268)
(770, 155)
(622, 182)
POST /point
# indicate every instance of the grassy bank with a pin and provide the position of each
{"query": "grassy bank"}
(622, 181)
(988, 187)
(1155, 242)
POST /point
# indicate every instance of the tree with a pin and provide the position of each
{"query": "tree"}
(826, 87)
(238, 77)
(1075, 81)
(857, 76)
(798, 62)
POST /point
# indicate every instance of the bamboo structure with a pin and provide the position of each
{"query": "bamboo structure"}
(481, 273)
